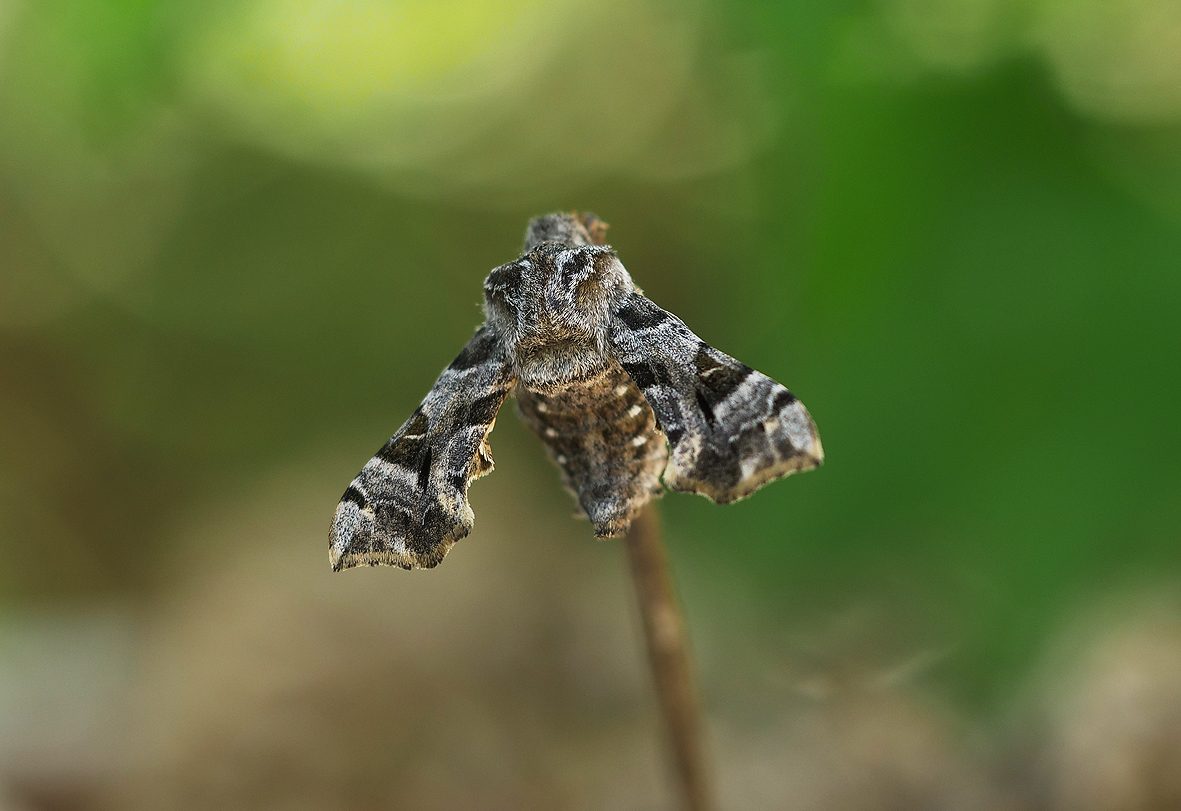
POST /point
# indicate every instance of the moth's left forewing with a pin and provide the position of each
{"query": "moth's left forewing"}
(730, 428)
(755, 421)
(408, 505)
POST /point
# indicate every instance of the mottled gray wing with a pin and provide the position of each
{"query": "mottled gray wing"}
(408, 505)
(730, 429)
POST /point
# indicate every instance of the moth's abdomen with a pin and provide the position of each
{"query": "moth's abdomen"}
(603, 435)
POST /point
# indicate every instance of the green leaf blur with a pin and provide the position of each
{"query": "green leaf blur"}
(238, 243)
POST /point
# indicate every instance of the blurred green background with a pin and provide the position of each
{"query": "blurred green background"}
(238, 241)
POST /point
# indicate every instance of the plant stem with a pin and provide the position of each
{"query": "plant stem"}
(664, 630)
(668, 652)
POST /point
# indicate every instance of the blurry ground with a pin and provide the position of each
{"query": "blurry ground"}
(238, 240)
(513, 677)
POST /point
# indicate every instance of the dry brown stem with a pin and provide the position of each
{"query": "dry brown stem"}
(668, 652)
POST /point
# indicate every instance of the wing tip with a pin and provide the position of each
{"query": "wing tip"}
(340, 561)
(757, 481)
(351, 544)
(808, 456)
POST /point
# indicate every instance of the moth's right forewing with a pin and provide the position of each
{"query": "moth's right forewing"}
(408, 505)
(730, 428)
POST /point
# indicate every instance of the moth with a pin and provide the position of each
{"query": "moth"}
(625, 397)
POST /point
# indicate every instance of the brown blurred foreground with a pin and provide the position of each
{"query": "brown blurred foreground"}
(268, 682)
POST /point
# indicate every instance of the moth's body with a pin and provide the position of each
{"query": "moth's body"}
(603, 436)
(621, 392)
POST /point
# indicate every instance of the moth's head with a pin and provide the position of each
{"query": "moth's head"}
(566, 227)
(553, 307)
